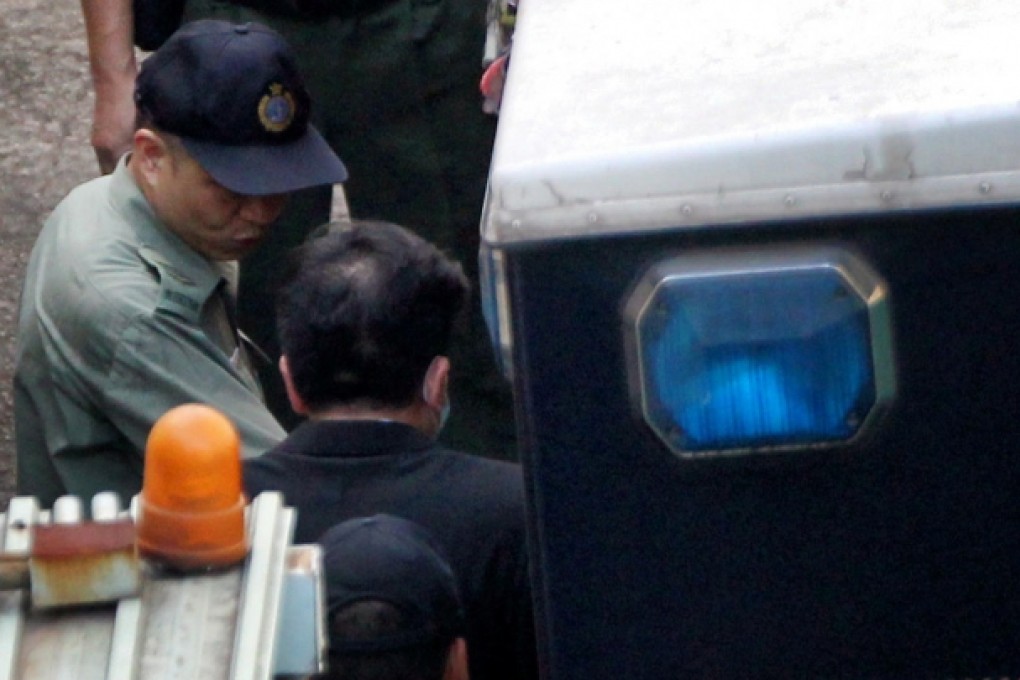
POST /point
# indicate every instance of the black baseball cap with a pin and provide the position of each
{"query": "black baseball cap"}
(233, 95)
(396, 561)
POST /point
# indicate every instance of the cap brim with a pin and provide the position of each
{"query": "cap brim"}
(265, 169)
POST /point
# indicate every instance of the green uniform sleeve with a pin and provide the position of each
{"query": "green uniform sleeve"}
(161, 362)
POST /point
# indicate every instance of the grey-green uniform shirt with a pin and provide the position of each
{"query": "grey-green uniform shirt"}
(119, 322)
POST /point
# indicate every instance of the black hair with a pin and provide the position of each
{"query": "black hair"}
(143, 121)
(363, 310)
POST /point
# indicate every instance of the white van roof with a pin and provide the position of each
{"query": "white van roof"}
(622, 116)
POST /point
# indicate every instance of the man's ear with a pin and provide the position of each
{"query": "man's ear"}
(457, 661)
(437, 383)
(149, 155)
(297, 404)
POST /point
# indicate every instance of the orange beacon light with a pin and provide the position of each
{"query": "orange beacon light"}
(191, 507)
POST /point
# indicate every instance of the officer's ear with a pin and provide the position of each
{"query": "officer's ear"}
(297, 404)
(149, 155)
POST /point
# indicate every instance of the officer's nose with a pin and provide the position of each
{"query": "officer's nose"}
(263, 209)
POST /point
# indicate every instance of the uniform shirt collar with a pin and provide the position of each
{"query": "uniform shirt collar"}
(355, 439)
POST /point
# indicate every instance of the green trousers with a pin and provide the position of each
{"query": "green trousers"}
(395, 92)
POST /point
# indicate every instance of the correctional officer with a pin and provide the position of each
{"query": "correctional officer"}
(128, 304)
(396, 89)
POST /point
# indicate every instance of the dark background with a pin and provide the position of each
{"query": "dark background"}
(45, 111)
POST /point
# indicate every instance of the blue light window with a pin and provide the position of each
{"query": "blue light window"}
(773, 357)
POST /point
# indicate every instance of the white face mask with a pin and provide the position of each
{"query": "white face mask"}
(444, 415)
(444, 412)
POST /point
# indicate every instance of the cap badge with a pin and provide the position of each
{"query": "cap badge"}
(276, 109)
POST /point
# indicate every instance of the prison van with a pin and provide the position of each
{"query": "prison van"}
(753, 270)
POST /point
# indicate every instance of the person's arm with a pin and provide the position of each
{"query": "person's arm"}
(109, 31)
(161, 362)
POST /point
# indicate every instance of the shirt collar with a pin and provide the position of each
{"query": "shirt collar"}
(355, 439)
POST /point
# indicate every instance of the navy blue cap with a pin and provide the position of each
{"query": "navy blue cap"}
(396, 561)
(233, 95)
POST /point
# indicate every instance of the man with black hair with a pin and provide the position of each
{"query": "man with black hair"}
(393, 607)
(365, 320)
